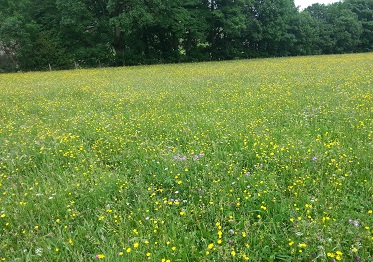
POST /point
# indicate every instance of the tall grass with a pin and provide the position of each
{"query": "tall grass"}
(261, 160)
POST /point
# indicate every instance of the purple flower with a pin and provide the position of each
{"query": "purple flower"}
(314, 158)
(354, 222)
(177, 157)
(195, 157)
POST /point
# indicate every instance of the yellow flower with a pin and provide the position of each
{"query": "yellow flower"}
(210, 246)
(233, 253)
(100, 256)
(128, 250)
(303, 245)
(136, 245)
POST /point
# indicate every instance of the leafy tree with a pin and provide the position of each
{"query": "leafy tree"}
(226, 25)
(37, 33)
(13, 29)
(364, 11)
(276, 19)
(338, 28)
(84, 28)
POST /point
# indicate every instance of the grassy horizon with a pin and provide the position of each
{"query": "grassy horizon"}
(260, 160)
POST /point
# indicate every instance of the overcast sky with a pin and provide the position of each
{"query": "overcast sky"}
(304, 3)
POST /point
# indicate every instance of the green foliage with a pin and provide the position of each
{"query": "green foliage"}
(114, 32)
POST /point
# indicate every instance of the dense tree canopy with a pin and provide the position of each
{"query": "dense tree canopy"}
(42, 34)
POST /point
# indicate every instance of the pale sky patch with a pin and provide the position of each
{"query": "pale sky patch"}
(305, 3)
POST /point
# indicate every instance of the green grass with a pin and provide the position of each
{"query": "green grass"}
(260, 160)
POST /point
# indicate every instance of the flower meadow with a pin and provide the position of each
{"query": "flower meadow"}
(258, 160)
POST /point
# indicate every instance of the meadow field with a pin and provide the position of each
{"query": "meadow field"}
(259, 160)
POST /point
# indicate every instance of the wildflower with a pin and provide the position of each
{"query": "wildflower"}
(100, 256)
(210, 246)
(136, 245)
(39, 251)
(338, 255)
(330, 254)
(233, 253)
(314, 158)
(128, 250)
(303, 245)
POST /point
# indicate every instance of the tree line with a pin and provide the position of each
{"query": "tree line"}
(63, 34)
